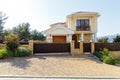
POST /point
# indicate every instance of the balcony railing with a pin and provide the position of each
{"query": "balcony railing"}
(82, 28)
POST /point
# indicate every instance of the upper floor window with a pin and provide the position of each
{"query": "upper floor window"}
(82, 24)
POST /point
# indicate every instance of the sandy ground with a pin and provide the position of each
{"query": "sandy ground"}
(58, 66)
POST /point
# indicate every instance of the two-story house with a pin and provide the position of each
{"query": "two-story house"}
(79, 26)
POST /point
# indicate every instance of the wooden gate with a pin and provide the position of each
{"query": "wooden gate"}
(86, 47)
(51, 47)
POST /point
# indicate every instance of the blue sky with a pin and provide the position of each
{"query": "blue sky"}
(41, 13)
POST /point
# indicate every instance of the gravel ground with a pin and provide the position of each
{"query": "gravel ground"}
(58, 66)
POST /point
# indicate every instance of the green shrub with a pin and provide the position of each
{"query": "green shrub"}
(12, 46)
(22, 52)
(11, 41)
(105, 51)
(109, 60)
(11, 37)
(100, 55)
(97, 54)
(5, 53)
(103, 57)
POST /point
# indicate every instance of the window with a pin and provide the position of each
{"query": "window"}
(78, 22)
(82, 24)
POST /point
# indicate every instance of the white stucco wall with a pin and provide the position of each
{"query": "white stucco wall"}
(59, 30)
(69, 38)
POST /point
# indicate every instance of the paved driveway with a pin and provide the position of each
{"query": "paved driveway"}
(59, 65)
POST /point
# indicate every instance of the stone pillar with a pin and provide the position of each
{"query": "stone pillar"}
(76, 51)
(31, 45)
(92, 47)
(81, 47)
(72, 47)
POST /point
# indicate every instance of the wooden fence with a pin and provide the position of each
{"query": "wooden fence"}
(110, 46)
(51, 47)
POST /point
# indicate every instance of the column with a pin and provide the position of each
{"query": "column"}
(95, 37)
(69, 38)
(49, 38)
(92, 38)
(82, 37)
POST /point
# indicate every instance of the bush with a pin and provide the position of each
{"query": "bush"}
(22, 52)
(109, 60)
(104, 57)
(105, 51)
(11, 37)
(12, 46)
(11, 41)
(100, 55)
(5, 53)
(97, 54)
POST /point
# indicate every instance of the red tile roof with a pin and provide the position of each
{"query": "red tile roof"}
(58, 23)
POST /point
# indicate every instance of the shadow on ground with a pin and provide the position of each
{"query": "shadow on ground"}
(68, 56)
(24, 62)
(21, 62)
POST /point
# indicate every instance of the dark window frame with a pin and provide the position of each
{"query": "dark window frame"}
(83, 24)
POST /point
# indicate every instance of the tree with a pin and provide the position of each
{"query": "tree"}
(102, 40)
(116, 39)
(3, 18)
(7, 31)
(36, 35)
(23, 31)
(11, 41)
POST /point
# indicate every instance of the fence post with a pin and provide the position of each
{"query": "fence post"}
(76, 51)
(81, 47)
(72, 47)
(31, 43)
(92, 47)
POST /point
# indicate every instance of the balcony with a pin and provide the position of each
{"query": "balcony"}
(82, 28)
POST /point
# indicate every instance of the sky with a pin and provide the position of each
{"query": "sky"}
(41, 13)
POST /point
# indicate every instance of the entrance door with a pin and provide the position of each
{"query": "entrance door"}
(74, 37)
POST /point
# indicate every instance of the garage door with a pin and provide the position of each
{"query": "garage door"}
(59, 39)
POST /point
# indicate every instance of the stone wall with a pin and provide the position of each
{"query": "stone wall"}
(76, 51)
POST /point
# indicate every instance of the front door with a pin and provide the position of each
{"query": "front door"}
(74, 37)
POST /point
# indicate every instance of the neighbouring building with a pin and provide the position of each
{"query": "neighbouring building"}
(79, 26)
